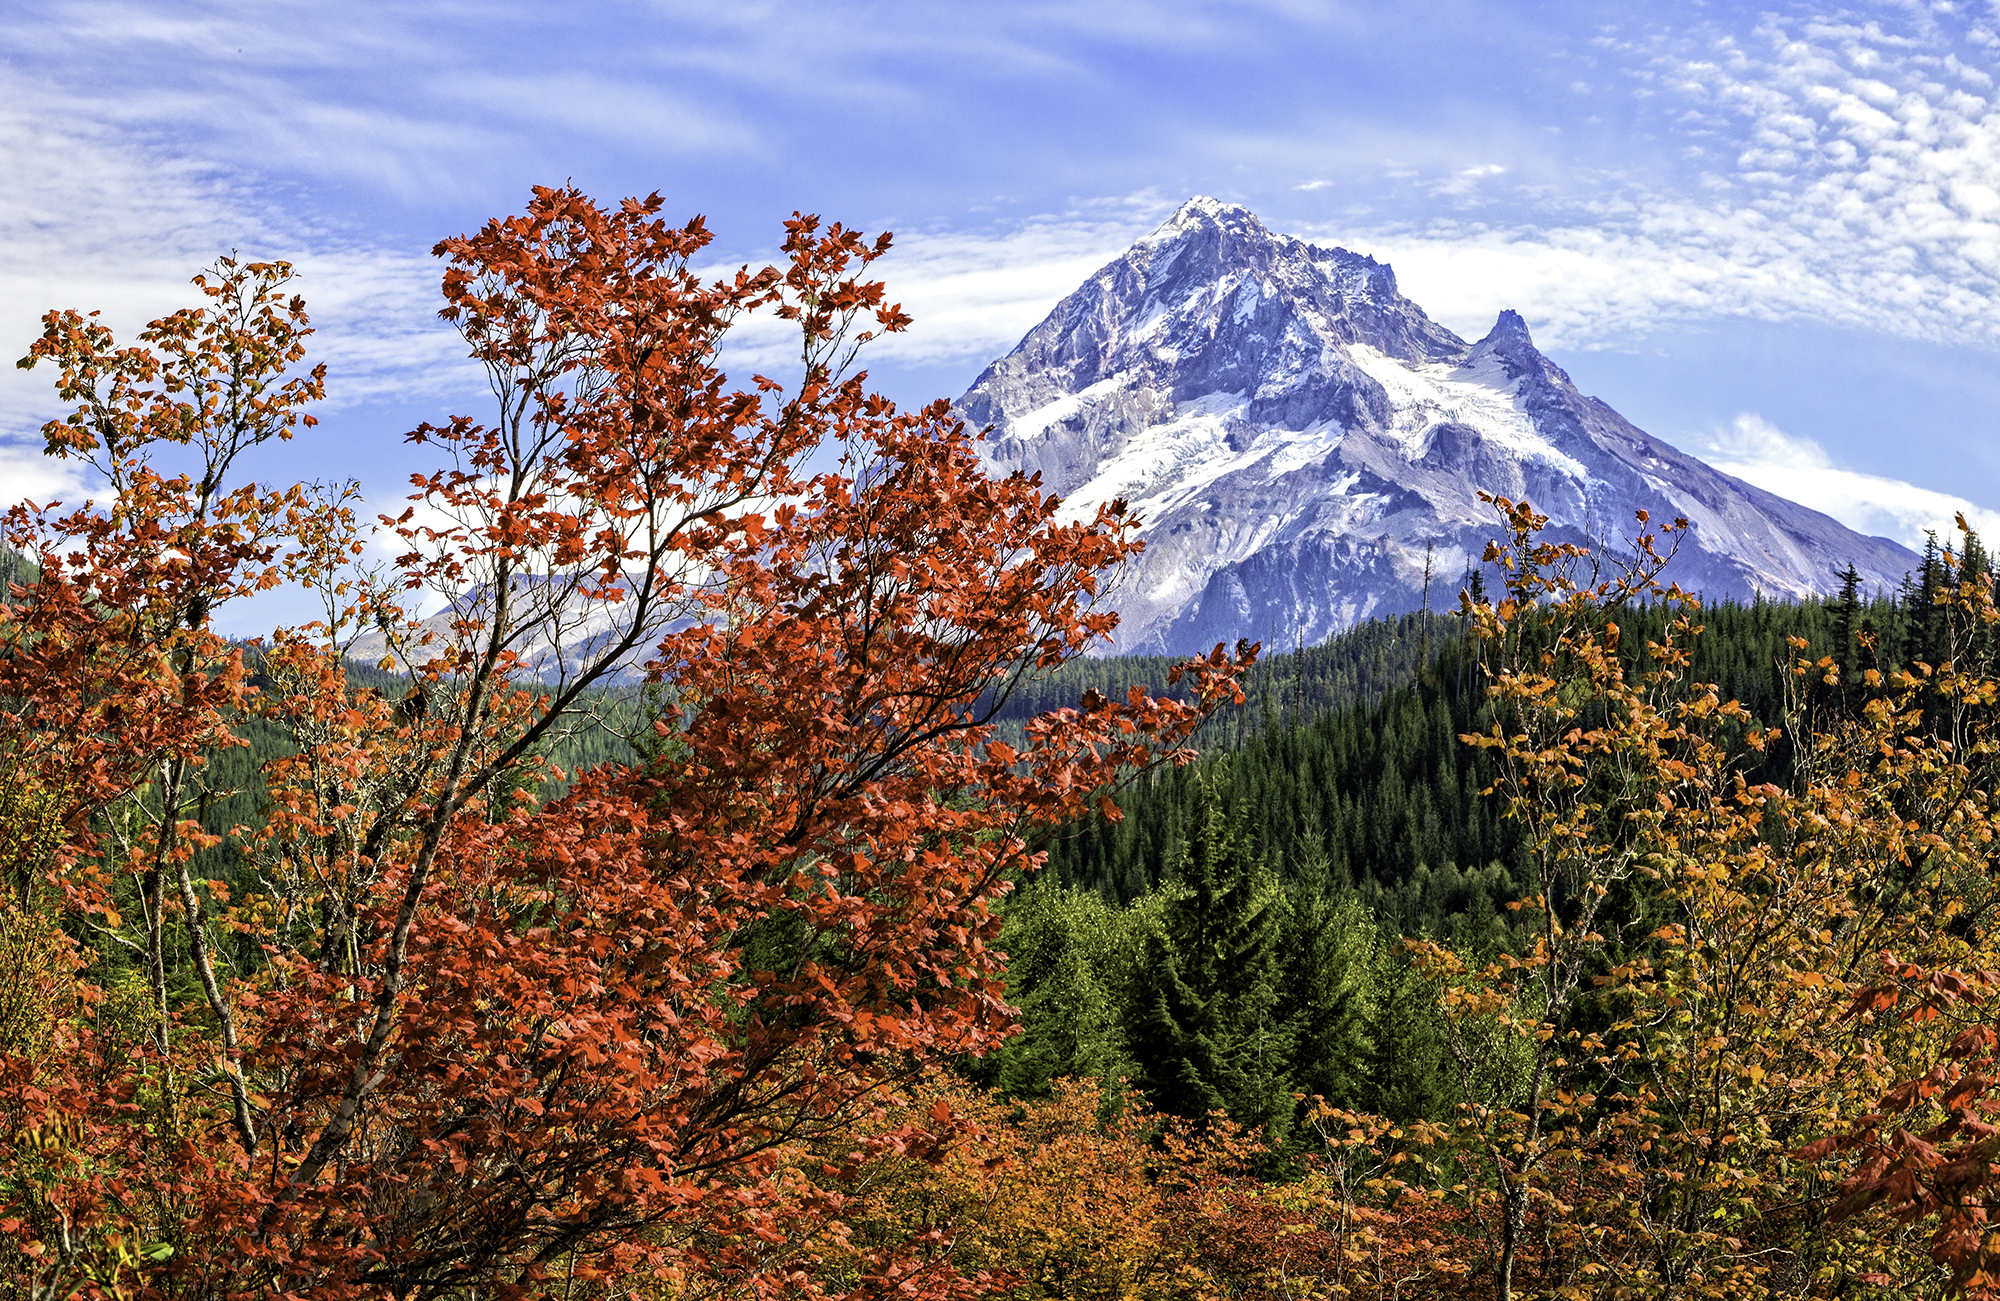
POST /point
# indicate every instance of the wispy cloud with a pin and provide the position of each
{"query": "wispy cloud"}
(1466, 180)
(1754, 450)
(977, 293)
(974, 293)
(31, 476)
(98, 220)
(1846, 172)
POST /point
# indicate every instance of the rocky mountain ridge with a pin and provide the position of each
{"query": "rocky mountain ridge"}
(1300, 439)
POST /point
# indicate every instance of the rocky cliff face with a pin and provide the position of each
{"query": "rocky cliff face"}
(1296, 435)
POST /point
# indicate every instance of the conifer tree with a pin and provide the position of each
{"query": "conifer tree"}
(1060, 946)
(1405, 1076)
(1846, 609)
(1202, 1024)
(1926, 638)
(1328, 945)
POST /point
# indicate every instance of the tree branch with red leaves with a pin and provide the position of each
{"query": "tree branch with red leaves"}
(490, 1043)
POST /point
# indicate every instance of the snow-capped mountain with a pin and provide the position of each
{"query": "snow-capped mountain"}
(1294, 433)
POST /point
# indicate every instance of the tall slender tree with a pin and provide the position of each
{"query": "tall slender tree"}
(1203, 1024)
(1327, 946)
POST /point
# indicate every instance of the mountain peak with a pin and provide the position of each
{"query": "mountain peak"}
(1510, 341)
(1202, 212)
(1510, 326)
(1204, 205)
(1298, 438)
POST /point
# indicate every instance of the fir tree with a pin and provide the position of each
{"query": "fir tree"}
(1328, 946)
(1922, 615)
(1845, 610)
(1202, 1024)
(1059, 945)
(1405, 1076)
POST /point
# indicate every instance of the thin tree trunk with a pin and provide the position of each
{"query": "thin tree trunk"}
(218, 1003)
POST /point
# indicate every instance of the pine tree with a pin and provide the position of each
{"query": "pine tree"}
(1845, 609)
(1059, 944)
(1202, 1024)
(1926, 635)
(1974, 563)
(1474, 583)
(1173, 1036)
(1406, 1077)
(1328, 946)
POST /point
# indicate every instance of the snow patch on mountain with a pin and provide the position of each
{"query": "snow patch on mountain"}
(1166, 465)
(1480, 394)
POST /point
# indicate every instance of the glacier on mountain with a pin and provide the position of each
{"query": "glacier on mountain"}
(1300, 441)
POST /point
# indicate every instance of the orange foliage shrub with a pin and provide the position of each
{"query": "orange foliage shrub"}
(439, 1040)
(1060, 1198)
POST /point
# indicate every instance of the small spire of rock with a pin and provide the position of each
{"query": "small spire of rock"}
(1511, 326)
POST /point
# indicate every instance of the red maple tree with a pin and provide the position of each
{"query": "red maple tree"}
(444, 1038)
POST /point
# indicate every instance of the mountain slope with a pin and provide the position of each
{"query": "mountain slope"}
(1295, 434)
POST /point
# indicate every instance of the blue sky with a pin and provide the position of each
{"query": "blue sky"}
(1771, 237)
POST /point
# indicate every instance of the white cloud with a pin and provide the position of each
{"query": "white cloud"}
(973, 294)
(1575, 286)
(1864, 191)
(27, 475)
(1800, 170)
(97, 219)
(979, 292)
(1467, 179)
(1798, 468)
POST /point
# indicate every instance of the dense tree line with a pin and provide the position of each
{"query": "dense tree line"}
(1233, 936)
(1284, 686)
(1380, 787)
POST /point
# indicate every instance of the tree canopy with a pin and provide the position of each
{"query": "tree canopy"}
(441, 1038)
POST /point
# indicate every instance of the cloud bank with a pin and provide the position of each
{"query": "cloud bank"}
(1758, 452)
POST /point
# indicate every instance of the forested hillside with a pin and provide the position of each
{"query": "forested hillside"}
(1350, 752)
(1252, 906)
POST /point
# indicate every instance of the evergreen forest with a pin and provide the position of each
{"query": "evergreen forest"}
(1232, 939)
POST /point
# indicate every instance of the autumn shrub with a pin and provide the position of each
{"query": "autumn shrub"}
(1686, 1011)
(1055, 1197)
(1048, 1197)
